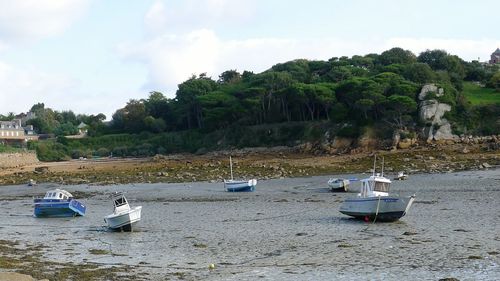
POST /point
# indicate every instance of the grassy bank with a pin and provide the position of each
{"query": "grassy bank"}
(478, 95)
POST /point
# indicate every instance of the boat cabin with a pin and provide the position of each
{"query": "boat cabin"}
(58, 194)
(120, 203)
(375, 185)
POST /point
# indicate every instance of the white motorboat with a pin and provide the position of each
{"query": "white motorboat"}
(233, 185)
(338, 184)
(123, 217)
(401, 176)
(374, 201)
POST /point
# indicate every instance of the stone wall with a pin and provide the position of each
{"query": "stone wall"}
(13, 160)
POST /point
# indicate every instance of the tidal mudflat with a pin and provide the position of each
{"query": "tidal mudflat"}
(289, 229)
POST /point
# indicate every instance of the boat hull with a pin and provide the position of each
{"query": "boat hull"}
(240, 186)
(58, 208)
(124, 221)
(381, 208)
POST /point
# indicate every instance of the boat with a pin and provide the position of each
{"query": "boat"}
(123, 217)
(338, 184)
(31, 182)
(58, 203)
(375, 203)
(401, 176)
(233, 185)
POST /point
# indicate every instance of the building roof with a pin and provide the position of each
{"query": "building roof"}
(497, 52)
(82, 125)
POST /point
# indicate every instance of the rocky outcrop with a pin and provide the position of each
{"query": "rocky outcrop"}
(431, 112)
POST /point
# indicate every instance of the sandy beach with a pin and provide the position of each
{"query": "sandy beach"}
(289, 229)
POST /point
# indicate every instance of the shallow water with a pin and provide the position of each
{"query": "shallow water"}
(289, 229)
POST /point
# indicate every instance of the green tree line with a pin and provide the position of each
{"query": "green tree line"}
(344, 93)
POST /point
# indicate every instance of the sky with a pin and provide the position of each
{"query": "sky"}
(93, 56)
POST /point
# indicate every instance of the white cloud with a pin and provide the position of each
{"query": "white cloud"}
(22, 88)
(29, 20)
(156, 17)
(187, 15)
(171, 59)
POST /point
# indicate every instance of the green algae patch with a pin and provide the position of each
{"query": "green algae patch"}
(29, 260)
(98, 252)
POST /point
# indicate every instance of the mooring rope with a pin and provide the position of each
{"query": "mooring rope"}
(376, 213)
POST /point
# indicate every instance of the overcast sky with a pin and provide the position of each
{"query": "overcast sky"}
(92, 56)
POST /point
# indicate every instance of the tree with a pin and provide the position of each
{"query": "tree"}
(396, 56)
(45, 121)
(133, 115)
(419, 72)
(274, 83)
(441, 60)
(154, 125)
(495, 81)
(436, 59)
(364, 105)
(399, 108)
(298, 69)
(219, 109)
(66, 129)
(229, 76)
(188, 102)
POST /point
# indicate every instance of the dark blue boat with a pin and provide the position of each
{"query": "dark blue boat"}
(58, 203)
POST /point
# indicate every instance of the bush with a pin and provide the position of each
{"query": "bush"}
(51, 151)
(77, 153)
(102, 152)
(120, 151)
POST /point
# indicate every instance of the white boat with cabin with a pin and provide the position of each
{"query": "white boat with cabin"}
(374, 201)
(123, 217)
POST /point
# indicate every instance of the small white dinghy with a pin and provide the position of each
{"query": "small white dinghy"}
(401, 176)
(123, 217)
(233, 185)
(338, 184)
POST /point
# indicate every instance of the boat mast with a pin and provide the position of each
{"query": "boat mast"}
(382, 166)
(231, 166)
(374, 163)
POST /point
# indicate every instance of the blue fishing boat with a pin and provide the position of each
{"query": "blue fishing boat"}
(58, 203)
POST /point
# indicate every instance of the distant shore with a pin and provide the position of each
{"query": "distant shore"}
(260, 163)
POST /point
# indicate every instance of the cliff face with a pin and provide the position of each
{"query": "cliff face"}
(431, 112)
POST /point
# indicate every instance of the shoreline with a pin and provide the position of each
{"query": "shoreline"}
(260, 163)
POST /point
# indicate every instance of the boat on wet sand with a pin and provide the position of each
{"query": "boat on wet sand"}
(58, 203)
(375, 203)
(123, 217)
(401, 176)
(338, 184)
(233, 185)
